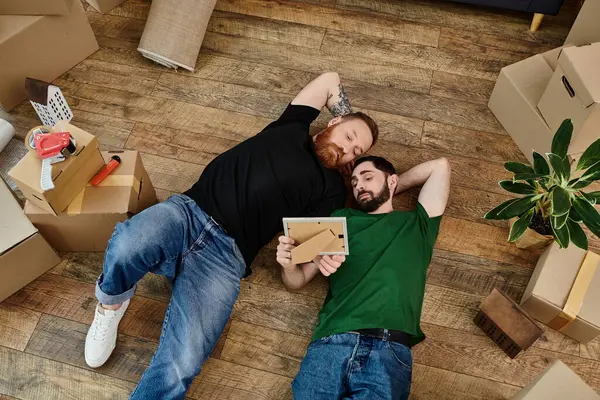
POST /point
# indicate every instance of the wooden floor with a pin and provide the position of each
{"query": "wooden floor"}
(424, 69)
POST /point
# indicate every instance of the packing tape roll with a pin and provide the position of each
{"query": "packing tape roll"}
(575, 299)
(111, 180)
(29, 137)
(6, 133)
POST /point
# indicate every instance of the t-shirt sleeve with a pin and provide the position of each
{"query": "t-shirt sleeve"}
(430, 227)
(297, 114)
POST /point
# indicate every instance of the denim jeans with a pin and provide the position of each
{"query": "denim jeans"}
(176, 239)
(352, 366)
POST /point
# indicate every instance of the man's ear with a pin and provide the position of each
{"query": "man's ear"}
(334, 120)
(393, 182)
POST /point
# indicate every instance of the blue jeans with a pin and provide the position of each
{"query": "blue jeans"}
(176, 239)
(351, 366)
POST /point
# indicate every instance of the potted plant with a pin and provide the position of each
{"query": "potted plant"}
(552, 204)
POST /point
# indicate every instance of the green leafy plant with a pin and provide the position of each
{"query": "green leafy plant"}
(552, 202)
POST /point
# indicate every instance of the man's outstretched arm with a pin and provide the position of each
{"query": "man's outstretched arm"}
(434, 175)
(325, 90)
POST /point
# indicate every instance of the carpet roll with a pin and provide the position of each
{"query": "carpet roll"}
(174, 32)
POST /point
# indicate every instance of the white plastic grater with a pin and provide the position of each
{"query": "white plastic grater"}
(47, 101)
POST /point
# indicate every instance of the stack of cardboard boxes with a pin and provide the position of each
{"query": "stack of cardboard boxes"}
(532, 97)
(74, 215)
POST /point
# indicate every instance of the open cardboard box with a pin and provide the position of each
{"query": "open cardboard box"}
(557, 382)
(89, 221)
(574, 92)
(24, 254)
(69, 176)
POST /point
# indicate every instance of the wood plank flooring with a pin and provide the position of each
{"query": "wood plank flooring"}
(424, 69)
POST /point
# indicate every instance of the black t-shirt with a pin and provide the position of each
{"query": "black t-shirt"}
(275, 174)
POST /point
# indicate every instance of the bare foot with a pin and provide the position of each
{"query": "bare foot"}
(111, 306)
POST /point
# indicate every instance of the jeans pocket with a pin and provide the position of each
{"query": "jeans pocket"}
(324, 340)
(401, 354)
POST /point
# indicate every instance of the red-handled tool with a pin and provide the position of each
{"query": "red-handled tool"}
(106, 170)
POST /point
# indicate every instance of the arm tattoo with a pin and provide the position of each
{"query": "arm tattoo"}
(342, 107)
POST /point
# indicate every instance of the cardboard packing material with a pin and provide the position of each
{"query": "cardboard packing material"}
(35, 7)
(42, 47)
(574, 92)
(564, 292)
(586, 28)
(557, 382)
(89, 221)
(24, 254)
(69, 176)
(104, 6)
(514, 101)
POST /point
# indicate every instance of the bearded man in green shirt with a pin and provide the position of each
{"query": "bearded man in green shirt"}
(360, 348)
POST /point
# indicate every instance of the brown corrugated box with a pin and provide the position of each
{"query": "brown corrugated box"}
(35, 7)
(104, 6)
(41, 47)
(24, 254)
(557, 382)
(550, 286)
(514, 103)
(574, 92)
(69, 176)
(586, 28)
(88, 222)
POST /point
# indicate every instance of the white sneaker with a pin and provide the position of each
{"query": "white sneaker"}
(101, 338)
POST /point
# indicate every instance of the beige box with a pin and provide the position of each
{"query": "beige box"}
(42, 47)
(69, 176)
(586, 28)
(574, 92)
(104, 6)
(557, 382)
(514, 101)
(89, 221)
(35, 7)
(24, 254)
(550, 286)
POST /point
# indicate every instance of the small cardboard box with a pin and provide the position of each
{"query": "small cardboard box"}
(557, 382)
(104, 6)
(553, 283)
(69, 176)
(514, 102)
(574, 92)
(586, 28)
(42, 48)
(35, 7)
(24, 254)
(88, 222)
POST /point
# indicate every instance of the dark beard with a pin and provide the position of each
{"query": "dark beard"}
(375, 201)
(328, 152)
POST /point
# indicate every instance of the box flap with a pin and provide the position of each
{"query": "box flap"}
(11, 25)
(581, 66)
(14, 225)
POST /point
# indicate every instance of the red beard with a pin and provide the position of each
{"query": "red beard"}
(328, 152)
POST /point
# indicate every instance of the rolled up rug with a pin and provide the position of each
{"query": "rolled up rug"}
(174, 32)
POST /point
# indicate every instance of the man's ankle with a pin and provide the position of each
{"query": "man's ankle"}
(111, 306)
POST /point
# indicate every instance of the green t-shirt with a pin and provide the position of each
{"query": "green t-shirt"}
(382, 282)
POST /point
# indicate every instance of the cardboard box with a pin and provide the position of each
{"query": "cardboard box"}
(42, 48)
(24, 254)
(69, 176)
(514, 101)
(90, 219)
(574, 92)
(557, 382)
(586, 29)
(104, 6)
(35, 7)
(551, 285)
